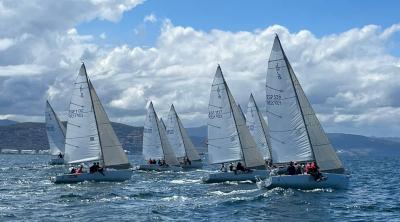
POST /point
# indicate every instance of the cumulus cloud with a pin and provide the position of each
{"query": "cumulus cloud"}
(350, 78)
(150, 18)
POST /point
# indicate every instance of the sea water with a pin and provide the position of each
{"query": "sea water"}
(26, 194)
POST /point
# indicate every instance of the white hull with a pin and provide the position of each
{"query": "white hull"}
(57, 161)
(109, 176)
(156, 167)
(231, 176)
(306, 182)
(192, 165)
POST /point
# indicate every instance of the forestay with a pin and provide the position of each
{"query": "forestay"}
(55, 131)
(178, 137)
(113, 153)
(258, 128)
(228, 136)
(155, 141)
(82, 138)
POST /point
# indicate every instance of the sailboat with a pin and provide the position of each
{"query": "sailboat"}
(258, 129)
(229, 139)
(181, 142)
(296, 133)
(56, 136)
(156, 146)
(91, 138)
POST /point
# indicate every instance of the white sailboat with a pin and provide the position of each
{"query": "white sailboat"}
(56, 136)
(156, 146)
(229, 139)
(91, 138)
(181, 142)
(296, 133)
(258, 129)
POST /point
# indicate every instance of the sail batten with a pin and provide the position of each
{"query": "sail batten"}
(55, 131)
(229, 139)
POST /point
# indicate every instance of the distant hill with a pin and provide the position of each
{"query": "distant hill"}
(33, 136)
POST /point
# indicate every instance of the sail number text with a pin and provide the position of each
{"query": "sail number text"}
(215, 114)
(75, 113)
(274, 99)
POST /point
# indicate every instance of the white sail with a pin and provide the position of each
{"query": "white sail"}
(113, 153)
(155, 141)
(55, 131)
(162, 123)
(178, 137)
(296, 132)
(324, 153)
(288, 132)
(82, 142)
(258, 128)
(228, 136)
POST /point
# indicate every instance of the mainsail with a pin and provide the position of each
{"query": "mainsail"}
(296, 133)
(155, 141)
(55, 131)
(228, 136)
(90, 136)
(258, 128)
(179, 138)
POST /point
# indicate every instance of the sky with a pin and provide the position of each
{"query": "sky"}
(346, 55)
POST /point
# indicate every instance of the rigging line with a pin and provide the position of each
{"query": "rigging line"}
(274, 114)
(279, 90)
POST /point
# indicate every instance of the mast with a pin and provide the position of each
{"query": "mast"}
(158, 129)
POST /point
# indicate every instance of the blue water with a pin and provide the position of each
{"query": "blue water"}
(26, 194)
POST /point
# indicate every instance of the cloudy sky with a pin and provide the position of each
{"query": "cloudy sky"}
(346, 55)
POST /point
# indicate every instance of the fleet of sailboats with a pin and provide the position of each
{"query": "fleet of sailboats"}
(156, 146)
(292, 132)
